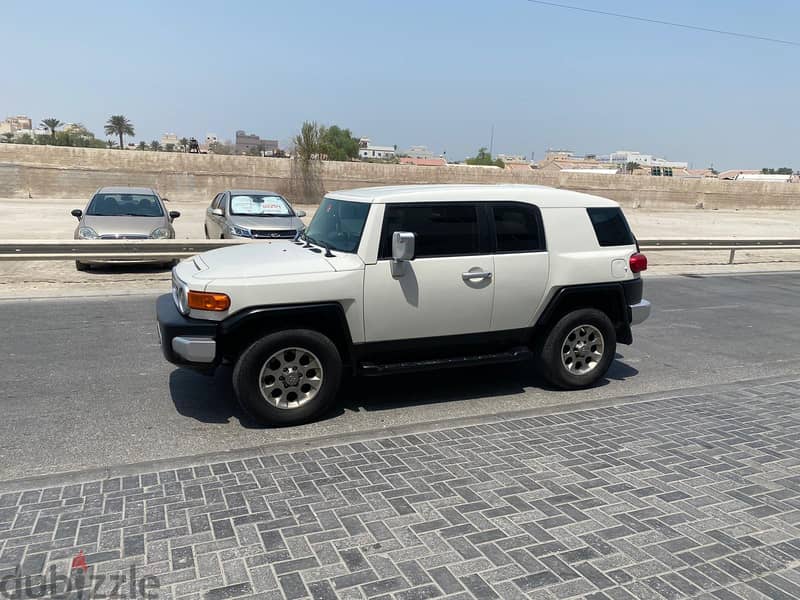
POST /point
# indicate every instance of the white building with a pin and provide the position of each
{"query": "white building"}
(623, 157)
(419, 152)
(368, 151)
(170, 138)
(772, 178)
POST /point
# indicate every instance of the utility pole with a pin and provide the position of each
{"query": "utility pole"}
(491, 142)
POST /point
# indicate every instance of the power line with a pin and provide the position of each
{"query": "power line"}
(668, 23)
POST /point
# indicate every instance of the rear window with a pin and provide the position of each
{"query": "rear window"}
(610, 227)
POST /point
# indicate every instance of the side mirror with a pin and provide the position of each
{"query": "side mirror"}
(403, 250)
(77, 213)
(300, 213)
(164, 199)
(217, 212)
(174, 214)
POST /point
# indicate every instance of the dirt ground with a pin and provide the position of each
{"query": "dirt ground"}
(51, 219)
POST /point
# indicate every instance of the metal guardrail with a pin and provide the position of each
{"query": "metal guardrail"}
(673, 245)
(155, 250)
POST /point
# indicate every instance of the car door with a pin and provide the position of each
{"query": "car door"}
(521, 264)
(210, 223)
(446, 290)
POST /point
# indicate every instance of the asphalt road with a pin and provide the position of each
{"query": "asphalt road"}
(83, 383)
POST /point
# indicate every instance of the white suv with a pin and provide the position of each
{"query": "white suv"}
(397, 279)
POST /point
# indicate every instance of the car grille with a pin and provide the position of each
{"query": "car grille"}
(124, 236)
(280, 234)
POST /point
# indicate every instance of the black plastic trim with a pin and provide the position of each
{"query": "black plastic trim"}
(172, 324)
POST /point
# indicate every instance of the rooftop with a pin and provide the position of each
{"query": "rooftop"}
(543, 196)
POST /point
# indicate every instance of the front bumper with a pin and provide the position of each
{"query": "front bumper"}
(184, 341)
(640, 312)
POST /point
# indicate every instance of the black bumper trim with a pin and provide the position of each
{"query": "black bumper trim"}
(172, 324)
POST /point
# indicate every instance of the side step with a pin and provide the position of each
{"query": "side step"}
(519, 354)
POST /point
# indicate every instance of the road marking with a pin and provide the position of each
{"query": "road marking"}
(719, 307)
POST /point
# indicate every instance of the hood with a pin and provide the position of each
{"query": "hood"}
(265, 222)
(261, 259)
(124, 225)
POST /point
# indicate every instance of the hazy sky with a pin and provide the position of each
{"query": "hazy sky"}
(431, 72)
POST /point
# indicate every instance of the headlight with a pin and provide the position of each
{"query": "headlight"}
(87, 233)
(181, 296)
(162, 233)
(239, 231)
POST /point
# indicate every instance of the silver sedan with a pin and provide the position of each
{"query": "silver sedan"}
(252, 214)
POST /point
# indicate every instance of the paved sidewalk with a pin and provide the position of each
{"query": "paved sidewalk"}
(695, 496)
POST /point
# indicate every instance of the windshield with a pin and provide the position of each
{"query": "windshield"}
(256, 205)
(125, 205)
(338, 224)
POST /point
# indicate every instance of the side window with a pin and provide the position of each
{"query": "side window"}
(610, 227)
(441, 229)
(518, 228)
(215, 201)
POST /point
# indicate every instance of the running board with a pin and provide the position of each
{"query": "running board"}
(514, 355)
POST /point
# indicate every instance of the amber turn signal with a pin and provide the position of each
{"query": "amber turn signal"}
(209, 301)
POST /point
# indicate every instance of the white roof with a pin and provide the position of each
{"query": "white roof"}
(545, 197)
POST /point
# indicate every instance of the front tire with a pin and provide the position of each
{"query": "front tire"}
(578, 349)
(289, 377)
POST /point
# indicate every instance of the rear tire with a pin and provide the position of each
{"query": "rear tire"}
(81, 266)
(288, 377)
(578, 349)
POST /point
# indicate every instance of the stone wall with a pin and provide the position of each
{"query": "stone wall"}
(58, 172)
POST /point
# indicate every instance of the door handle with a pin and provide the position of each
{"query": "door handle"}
(469, 275)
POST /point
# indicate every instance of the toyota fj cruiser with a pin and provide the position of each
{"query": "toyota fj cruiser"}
(396, 279)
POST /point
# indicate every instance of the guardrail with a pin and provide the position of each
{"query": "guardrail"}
(673, 245)
(156, 250)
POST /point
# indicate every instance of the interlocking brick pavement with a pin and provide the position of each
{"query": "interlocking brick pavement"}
(692, 496)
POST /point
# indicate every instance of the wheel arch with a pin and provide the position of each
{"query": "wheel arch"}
(608, 297)
(240, 330)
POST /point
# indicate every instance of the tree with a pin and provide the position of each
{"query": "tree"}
(110, 144)
(185, 144)
(25, 138)
(120, 126)
(9, 137)
(307, 142)
(170, 147)
(337, 143)
(631, 167)
(142, 146)
(52, 124)
(485, 158)
(155, 146)
(781, 171)
(220, 148)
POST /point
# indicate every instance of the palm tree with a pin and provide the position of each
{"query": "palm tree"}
(52, 123)
(119, 125)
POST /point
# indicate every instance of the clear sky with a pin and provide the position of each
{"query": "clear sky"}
(430, 72)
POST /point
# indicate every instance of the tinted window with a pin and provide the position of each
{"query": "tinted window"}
(125, 205)
(517, 228)
(441, 229)
(610, 226)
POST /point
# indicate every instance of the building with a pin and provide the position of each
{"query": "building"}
(419, 152)
(17, 125)
(367, 151)
(565, 160)
(170, 138)
(767, 178)
(732, 174)
(247, 142)
(650, 165)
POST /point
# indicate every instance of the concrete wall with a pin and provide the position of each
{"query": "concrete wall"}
(58, 172)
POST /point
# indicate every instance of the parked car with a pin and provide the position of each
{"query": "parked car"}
(124, 213)
(388, 280)
(252, 214)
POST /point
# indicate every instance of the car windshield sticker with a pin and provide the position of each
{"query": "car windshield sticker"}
(258, 205)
